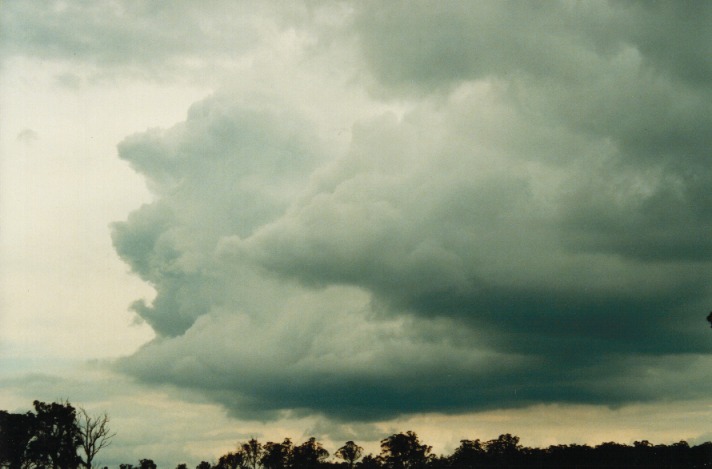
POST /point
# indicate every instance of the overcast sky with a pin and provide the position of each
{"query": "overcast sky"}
(226, 219)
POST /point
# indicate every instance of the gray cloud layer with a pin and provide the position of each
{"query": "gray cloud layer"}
(530, 224)
(180, 40)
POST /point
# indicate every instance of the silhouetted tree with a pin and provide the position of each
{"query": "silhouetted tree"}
(701, 453)
(146, 464)
(277, 455)
(182, 466)
(56, 436)
(350, 452)
(612, 454)
(369, 462)
(469, 454)
(503, 451)
(50, 439)
(564, 455)
(309, 454)
(404, 451)
(95, 435)
(252, 453)
(230, 461)
(16, 431)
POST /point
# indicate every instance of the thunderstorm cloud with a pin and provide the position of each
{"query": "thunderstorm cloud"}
(442, 207)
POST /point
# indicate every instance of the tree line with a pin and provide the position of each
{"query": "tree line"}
(58, 436)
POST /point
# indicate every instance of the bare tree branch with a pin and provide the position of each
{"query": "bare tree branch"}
(96, 435)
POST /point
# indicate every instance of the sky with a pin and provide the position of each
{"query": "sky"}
(223, 220)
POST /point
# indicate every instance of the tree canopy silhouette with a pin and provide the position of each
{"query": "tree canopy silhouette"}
(52, 437)
(350, 452)
(404, 451)
(309, 454)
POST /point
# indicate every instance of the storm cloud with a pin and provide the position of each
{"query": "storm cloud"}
(508, 206)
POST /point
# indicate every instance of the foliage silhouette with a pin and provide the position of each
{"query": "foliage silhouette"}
(51, 438)
(277, 455)
(350, 452)
(230, 461)
(146, 464)
(56, 437)
(16, 431)
(252, 452)
(404, 451)
(309, 454)
(369, 462)
(470, 453)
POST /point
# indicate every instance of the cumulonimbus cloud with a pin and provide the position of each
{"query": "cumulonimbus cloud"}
(527, 225)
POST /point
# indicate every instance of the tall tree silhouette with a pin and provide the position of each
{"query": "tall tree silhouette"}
(95, 435)
(469, 453)
(309, 454)
(505, 450)
(56, 437)
(252, 453)
(277, 455)
(350, 452)
(404, 451)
